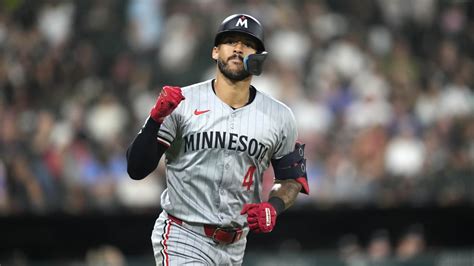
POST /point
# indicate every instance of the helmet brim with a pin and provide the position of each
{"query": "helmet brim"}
(222, 34)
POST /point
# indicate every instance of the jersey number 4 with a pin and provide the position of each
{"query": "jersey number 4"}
(248, 178)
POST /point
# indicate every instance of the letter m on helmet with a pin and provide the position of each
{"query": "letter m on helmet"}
(242, 22)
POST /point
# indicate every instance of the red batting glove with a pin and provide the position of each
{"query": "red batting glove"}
(261, 217)
(166, 102)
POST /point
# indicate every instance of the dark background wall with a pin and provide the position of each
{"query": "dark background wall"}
(69, 236)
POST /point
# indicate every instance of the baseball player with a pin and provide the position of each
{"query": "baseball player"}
(219, 136)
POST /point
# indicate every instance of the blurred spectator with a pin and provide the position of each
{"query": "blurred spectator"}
(3, 190)
(144, 23)
(350, 251)
(55, 21)
(181, 42)
(105, 256)
(411, 244)
(289, 45)
(405, 154)
(107, 119)
(379, 249)
(144, 194)
(24, 189)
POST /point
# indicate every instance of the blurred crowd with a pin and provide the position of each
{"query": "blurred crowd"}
(382, 92)
(383, 250)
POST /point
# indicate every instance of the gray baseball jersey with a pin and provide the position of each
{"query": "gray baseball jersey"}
(217, 155)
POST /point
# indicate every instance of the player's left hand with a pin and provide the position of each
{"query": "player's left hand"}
(261, 217)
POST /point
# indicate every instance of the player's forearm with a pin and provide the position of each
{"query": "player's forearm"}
(144, 152)
(287, 191)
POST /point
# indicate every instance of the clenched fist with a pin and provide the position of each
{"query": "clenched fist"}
(166, 102)
(261, 217)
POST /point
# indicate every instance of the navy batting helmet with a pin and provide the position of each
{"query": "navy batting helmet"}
(244, 24)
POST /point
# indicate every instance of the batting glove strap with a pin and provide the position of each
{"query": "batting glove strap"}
(261, 217)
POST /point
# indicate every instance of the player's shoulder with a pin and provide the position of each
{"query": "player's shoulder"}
(277, 111)
(268, 99)
(204, 85)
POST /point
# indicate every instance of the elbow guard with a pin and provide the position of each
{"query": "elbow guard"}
(293, 166)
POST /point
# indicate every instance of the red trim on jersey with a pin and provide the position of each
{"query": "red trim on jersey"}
(304, 182)
(166, 233)
(163, 142)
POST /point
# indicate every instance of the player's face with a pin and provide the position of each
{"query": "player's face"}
(230, 55)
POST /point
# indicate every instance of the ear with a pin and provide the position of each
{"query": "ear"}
(215, 52)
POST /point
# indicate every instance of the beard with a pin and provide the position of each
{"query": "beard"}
(233, 75)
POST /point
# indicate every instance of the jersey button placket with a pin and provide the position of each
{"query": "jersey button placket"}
(232, 122)
(224, 200)
(227, 169)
